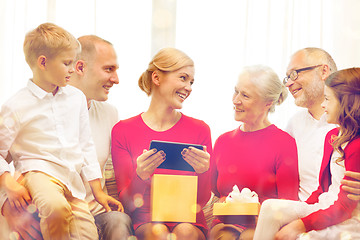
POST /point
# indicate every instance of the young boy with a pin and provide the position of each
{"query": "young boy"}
(45, 128)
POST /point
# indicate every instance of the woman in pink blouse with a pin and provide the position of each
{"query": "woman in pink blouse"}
(168, 81)
(256, 155)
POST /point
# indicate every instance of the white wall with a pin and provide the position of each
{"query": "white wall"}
(220, 35)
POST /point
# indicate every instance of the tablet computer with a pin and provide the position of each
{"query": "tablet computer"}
(174, 159)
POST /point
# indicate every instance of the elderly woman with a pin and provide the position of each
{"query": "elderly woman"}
(256, 155)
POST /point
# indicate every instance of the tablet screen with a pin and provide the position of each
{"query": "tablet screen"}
(174, 159)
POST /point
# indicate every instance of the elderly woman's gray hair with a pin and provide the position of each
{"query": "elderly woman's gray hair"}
(268, 84)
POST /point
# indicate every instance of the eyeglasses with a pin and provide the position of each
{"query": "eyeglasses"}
(295, 73)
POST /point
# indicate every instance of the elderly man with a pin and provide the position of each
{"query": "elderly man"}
(305, 77)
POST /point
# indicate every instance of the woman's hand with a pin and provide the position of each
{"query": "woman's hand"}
(198, 159)
(148, 162)
(291, 231)
(352, 186)
(222, 199)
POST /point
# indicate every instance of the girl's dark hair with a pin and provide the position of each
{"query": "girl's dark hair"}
(346, 86)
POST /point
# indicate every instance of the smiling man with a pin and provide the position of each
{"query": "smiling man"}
(95, 68)
(305, 79)
(95, 74)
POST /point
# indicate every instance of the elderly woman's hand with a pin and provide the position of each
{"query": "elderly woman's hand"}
(198, 159)
(148, 162)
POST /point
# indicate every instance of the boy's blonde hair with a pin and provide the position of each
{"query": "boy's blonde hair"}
(49, 40)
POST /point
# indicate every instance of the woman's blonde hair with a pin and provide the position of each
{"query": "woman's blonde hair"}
(166, 60)
(346, 86)
(49, 40)
(267, 83)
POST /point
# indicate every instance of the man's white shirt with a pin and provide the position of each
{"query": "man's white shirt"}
(309, 134)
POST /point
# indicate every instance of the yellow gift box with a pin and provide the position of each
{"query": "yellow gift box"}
(234, 208)
(237, 213)
(173, 198)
